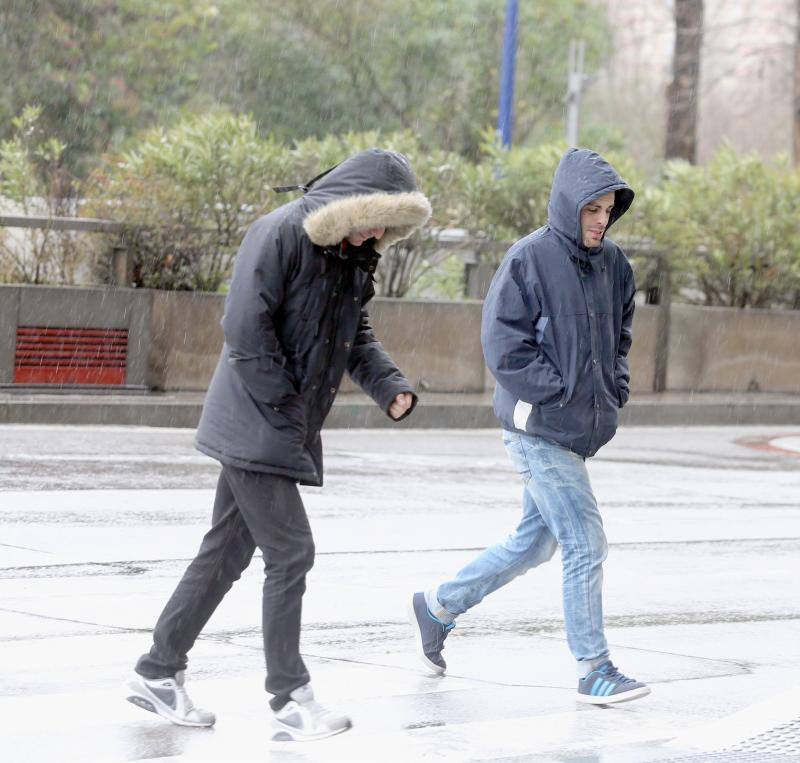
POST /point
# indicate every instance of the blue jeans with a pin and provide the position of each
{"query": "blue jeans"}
(558, 509)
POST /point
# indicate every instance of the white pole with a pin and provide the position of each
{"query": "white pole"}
(577, 49)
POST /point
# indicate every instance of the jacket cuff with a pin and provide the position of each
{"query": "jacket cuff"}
(414, 400)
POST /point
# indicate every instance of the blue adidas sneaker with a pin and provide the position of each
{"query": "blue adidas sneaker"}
(605, 685)
(429, 634)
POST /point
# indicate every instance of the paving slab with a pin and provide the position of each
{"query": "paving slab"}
(98, 523)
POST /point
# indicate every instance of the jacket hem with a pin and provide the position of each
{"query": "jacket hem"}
(304, 478)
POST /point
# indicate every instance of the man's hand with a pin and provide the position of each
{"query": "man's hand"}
(400, 405)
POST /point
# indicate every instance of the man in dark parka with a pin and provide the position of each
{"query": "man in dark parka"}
(295, 319)
(556, 331)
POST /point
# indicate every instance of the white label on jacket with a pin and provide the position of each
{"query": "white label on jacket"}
(521, 412)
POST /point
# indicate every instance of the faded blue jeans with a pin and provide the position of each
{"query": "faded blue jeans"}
(558, 509)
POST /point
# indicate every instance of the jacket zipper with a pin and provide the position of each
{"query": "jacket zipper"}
(319, 374)
(592, 318)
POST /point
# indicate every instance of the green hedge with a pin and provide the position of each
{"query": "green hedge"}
(729, 231)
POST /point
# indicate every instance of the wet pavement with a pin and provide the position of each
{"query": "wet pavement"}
(701, 600)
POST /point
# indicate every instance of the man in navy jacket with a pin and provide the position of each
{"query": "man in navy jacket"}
(556, 332)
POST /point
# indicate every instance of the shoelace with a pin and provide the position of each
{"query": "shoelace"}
(440, 636)
(613, 674)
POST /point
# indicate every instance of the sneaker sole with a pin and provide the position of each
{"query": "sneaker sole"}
(614, 699)
(412, 619)
(282, 733)
(153, 705)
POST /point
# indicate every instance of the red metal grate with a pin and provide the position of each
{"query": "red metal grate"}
(70, 356)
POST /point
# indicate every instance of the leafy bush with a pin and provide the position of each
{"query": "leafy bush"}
(728, 230)
(440, 176)
(33, 183)
(508, 190)
(187, 194)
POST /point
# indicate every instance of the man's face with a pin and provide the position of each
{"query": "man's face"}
(594, 219)
(359, 237)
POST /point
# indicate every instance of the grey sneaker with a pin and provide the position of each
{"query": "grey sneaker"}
(168, 698)
(302, 719)
(606, 685)
(429, 634)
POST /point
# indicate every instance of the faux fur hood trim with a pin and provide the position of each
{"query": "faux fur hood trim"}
(399, 213)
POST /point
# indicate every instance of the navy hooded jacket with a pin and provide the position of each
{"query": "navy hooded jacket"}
(556, 326)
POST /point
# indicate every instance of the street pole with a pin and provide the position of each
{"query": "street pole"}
(577, 49)
(505, 119)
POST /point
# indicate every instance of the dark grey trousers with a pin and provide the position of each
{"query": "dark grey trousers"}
(250, 509)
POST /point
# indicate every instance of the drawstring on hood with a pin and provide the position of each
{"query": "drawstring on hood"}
(583, 175)
(304, 187)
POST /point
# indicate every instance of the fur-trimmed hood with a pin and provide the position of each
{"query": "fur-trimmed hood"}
(372, 189)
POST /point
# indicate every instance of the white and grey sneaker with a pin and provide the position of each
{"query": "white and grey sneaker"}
(168, 698)
(302, 719)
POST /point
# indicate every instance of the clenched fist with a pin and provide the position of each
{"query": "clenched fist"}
(400, 405)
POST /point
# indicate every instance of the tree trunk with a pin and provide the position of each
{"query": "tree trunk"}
(683, 91)
(796, 106)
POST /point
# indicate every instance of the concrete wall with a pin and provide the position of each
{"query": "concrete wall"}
(727, 349)
(67, 307)
(642, 355)
(9, 312)
(436, 344)
(186, 339)
(175, 338)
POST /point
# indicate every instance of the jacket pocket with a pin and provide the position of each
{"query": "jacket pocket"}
(522, 410)
(566, 346)
(315, 290)
(541, 325)
(288, 418)
(558, 401)
(546, 340)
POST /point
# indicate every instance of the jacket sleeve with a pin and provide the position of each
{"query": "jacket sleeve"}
(256, 294)
(370, 366)
(622, 374)
(508, 337)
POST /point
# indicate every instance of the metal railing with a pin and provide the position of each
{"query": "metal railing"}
(472, 252)
(120, 260)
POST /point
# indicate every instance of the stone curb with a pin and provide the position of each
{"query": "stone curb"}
(150, 411)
